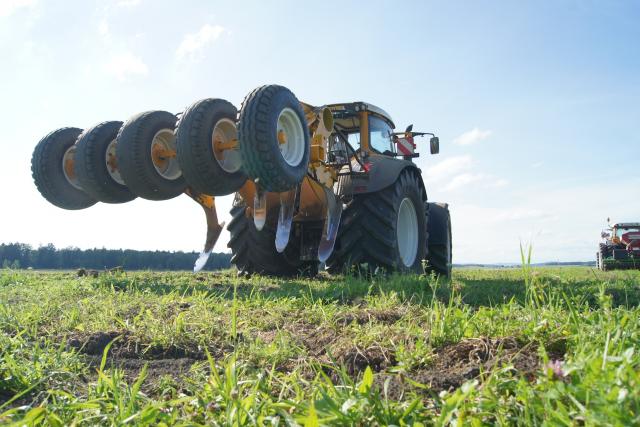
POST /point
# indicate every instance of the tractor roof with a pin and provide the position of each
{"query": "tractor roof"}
(627, 224)
(349, 109)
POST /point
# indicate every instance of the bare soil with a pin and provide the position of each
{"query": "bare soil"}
(455, 364)
(125, 347)
(451, 366)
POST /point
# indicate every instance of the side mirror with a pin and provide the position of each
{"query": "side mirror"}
(434, 142)
(605, 235)
(409, 128)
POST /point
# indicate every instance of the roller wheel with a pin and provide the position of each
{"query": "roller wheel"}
(384, 230)
(254, 251)
(53, 170)
(146, 156)
(96, 165)
(274, 138)
(202, 133)
(440, 243)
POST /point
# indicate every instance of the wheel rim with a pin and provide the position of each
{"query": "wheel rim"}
(68, 164)
(163, 154)
(290, 136)
(112, 166)
(224, 133)
(407, 232)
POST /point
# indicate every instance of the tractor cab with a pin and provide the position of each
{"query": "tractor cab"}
(622, 233)
(627, 234)
(367, 130)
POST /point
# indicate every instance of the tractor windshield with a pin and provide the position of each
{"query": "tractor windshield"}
(379, 135)
(621, 231)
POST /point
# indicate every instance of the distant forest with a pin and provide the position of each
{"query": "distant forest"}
(20, 255)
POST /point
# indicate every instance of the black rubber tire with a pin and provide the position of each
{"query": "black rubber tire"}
(133, 154)
(91, 166)
(605, 249)
(195, 153)
(367, 233)
(603, 252)
(48, 175)
(601, 264)
(257, 133)
(440, 252)
(254, 251)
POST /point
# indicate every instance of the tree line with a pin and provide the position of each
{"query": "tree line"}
(20, 255)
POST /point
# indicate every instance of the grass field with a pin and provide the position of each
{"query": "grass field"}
(529, 346)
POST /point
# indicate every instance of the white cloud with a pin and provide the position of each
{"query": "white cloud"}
(482, 179)
(519, 214)
(8, 7)
(462, 180)
(447, 168)
(193, 45)
(128, 3)
(126, 64)
(103, 28)
(499, 183)
(458, 172)
(472, 136)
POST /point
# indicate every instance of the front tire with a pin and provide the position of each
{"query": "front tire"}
(254, 251)
(53, 170)
(384, 230)
(146, 155)
(601, 264)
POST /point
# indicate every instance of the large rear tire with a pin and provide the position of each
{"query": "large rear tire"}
(254, 251)
(96, 164)
(200, 132)
(440, 253)
(146, 155)
(274, 138)
(386, 229)
(53, 170)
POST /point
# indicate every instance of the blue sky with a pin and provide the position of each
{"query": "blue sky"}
(537, 104)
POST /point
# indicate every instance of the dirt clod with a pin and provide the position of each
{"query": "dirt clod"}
(356, 359)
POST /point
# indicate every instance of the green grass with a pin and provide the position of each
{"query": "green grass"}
(529, 346)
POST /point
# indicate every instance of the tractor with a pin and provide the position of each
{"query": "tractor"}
(332, 186)
(621, 247)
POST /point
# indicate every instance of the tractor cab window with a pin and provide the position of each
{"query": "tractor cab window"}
(379, 135)
(354, 140)
(621, 231)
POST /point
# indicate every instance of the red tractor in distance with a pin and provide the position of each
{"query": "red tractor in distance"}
(621, 247)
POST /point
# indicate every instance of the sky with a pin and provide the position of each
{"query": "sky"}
(536, 105)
